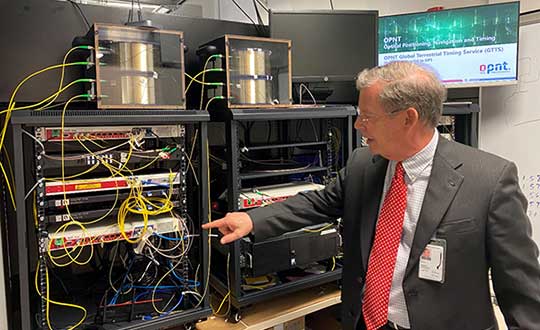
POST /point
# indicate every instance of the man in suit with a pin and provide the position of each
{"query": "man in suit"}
(425, 219)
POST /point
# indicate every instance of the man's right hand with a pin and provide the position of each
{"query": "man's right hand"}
(233, 226)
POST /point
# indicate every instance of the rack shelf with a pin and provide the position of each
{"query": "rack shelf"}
(295, 112)
(108, 117)
(284, 145)
(258, 175)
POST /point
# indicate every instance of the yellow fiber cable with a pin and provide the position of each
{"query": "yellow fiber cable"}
(219, 97)
(80, 246)
(191, 155)
(216, 312)
(140, 168)
(54, 95)
(63, 178)
(137, 204)
(104, 163)
(10, 168)
(11, 104)
(209, 219)
(34, 209)
(90, 169)
(9, 187)
(63, 71)
(147, 164)
(157, 285)
(130, 152)
(163, 277)
(113, 170)
(94, 142)
(228, 295)
(203, 77)
(50, 301)
(202, 82)
(11, 107)
(193, 79)
(73, 222)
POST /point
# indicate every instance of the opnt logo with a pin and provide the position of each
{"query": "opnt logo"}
(494, 68)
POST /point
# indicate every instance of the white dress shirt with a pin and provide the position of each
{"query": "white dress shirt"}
(417, 171)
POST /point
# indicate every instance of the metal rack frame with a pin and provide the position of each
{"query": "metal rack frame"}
(234, 183)
(29, 119)
(466, 116)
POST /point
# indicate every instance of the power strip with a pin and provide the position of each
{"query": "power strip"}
(259, 196)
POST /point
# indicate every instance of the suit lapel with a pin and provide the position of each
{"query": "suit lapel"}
(372, 191)
(444, 182)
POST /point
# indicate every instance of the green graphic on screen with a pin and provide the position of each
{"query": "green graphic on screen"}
(457, 28)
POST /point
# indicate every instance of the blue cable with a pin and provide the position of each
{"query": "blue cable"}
(115, 297)
(155, 184)
(149, 287)
(170, 238)
(142, 294)
(181, 279)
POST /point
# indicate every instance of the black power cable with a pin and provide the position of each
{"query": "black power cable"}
(76, 6)
(259, 19)
(139, 11)
(259, 33)
(262, 27)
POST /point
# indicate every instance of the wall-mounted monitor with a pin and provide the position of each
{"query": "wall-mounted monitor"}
(329, 48)
(472, 46)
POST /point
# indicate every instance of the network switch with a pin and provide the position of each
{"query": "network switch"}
(108, 231)
(104, 198)
(52, 134)
(114, 158)
(93, 214)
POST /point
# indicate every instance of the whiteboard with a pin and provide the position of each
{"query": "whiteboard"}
(510, 121)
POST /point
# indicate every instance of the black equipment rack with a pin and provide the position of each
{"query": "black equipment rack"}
(25, 156)
(233, 122)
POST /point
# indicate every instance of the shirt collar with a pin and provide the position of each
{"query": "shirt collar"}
(415, 165)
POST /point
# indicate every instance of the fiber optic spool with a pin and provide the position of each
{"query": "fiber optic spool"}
(254, 75)
(138, 84)
(137, 67)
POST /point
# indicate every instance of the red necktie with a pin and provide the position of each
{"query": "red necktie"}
(383, 253)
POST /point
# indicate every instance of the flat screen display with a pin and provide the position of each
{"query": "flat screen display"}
(472, 46)
(328, 45)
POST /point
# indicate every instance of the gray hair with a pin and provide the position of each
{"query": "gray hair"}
(407, 85)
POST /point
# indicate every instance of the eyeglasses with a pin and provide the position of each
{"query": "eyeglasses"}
(365, 118)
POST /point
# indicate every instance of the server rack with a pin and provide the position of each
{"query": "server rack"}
(465, 121)
(236, 180)
(27, 166)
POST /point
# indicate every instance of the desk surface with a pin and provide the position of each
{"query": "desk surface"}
(276, 311)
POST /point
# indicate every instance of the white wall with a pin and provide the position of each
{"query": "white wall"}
(524, 6)
(385, 7)
(228, 11)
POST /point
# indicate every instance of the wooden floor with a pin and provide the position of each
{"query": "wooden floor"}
(277, 311)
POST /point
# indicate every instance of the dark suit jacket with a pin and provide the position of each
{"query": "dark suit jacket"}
(473, 200)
